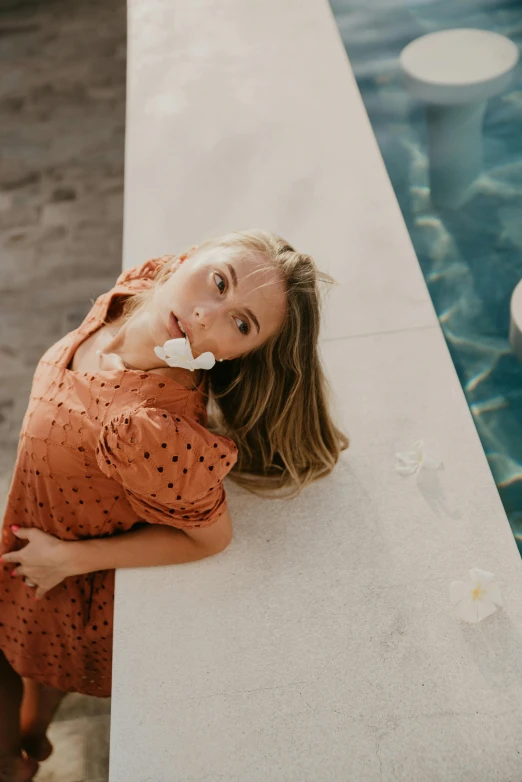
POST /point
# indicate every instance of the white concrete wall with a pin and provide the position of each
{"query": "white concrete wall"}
(321, 645)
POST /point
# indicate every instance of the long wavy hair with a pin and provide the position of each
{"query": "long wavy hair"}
(273, 401)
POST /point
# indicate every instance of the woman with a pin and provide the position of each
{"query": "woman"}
(119, 466)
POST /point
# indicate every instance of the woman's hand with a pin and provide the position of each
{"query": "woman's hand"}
(43, 560)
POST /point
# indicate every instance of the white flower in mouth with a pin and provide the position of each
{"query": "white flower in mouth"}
(410, 462)
(177, 353)
(476, 599)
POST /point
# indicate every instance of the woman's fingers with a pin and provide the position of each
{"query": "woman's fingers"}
(40, 592)
(20, 572)
(24, 532)
(12, 556)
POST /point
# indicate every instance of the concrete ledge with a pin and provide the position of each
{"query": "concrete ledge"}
(321, 644)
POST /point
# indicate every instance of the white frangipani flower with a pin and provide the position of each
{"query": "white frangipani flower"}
(177, 353)
(476, 599)
(421, 456)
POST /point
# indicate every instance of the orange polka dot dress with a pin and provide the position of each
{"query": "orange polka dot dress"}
(99, 452)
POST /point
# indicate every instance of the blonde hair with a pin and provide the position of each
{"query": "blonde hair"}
(274, 401)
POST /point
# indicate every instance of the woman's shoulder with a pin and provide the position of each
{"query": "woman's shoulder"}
(130, 281)
(157, 426)
(147, 445)
(143, 271)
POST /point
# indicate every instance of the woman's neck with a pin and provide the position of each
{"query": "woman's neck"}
(134, 343)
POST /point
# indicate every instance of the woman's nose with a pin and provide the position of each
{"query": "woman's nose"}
(204, 316)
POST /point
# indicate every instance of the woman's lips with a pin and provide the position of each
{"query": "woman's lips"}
(174, 330)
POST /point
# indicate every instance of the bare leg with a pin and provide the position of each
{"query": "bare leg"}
(39, 705)
(13, 766)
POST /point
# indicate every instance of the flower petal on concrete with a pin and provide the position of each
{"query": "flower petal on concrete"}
(420, 457)
(477, 598)
(431, 459)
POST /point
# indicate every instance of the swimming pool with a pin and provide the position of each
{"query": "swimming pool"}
(471, 258)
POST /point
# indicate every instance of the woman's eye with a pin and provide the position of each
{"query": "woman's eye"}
(245, 324)
(244, 328)
(222, 280)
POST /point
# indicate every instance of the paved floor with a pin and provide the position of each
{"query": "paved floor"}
(62, 125)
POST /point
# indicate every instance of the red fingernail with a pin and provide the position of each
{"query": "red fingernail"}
(13, 573)
(36, 599)
(14, 527)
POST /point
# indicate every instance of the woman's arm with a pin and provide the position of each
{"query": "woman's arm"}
(152, 544)
(46, 560)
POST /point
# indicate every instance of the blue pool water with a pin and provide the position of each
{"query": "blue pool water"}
(471, 258)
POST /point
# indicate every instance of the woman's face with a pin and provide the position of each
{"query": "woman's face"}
(225, 301)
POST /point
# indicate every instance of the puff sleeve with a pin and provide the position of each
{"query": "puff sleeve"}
(142, 271)
(170, 467)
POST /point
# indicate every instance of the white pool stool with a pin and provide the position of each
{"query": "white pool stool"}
(515, 324)
(455, 72)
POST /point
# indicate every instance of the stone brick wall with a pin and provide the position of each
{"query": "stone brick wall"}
(62, 125)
